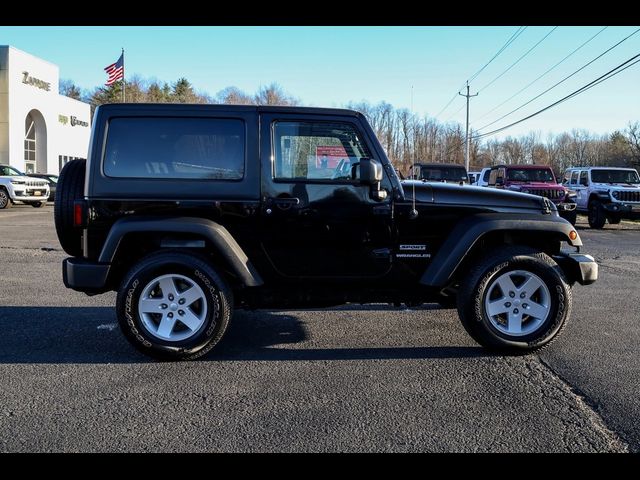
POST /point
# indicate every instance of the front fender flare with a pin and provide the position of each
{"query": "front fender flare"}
(468, 231)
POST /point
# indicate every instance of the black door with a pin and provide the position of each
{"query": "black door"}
(318, 221)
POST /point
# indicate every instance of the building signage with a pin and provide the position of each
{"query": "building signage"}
(36, 82)
(63, 119)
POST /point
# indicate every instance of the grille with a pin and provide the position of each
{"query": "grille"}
(624, 196)
(35, 183)
(550, 193)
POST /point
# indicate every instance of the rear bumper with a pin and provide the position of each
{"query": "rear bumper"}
(578, 267)
(85, 276)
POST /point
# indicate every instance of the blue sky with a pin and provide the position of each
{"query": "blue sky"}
(330, 66)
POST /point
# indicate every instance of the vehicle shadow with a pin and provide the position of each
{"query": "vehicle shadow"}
(83, 335)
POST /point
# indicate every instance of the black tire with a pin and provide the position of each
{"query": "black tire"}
(571, 217)
(37, 204)
(614, 218)
(596, 215)
(474, 289)
(5, 200)
(219, 303)
(69, 189)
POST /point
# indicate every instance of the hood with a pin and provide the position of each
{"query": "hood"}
(27, 180)
(617, 186)
(541, 185)
(467, 195)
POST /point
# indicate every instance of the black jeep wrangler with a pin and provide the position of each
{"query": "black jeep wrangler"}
(190, 211)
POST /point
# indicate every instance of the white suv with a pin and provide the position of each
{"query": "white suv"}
(605, 193)
(15, 186)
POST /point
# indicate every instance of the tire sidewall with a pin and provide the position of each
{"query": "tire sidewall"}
(596, 215)
(557, 293)
(131, 323)
(5, 196)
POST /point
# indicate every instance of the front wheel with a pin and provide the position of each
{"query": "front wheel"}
(516, 300)
(596, 215)
(571, 216)
(5, 201)
(174, 306)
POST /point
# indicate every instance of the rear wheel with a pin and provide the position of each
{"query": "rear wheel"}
(596, 215)
(5, 201)
(174, 306)
(614, 218)
(70, 188)
(516, 300)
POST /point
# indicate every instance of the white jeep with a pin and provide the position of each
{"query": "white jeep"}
(15, 186)
(605, 193)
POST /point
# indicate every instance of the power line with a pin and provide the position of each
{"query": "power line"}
(600, 79)
(561, 81)
(518, 60)
(539, 77)
(511, 39)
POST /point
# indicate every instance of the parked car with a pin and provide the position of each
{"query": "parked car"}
(483, 177)
(536, 180)
(605, 193)
(439, 172)
(192, 211)
(15, 186)
(53, 182)
(473, 177)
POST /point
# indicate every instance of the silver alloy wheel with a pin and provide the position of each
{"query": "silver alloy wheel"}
(517, 303)
(172, 307)
(4, 199)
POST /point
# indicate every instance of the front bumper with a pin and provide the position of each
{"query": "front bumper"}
(566, 206)
(578, 267)
(31, 194)
(621, 207)
(85, 276)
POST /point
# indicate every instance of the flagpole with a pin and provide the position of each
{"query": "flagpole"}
(123, 72)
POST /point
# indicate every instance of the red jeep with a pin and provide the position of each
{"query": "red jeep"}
(536, 180)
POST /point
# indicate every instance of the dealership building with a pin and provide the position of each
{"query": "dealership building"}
(40, 130)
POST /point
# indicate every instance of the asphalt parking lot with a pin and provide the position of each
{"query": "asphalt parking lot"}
(372, 378)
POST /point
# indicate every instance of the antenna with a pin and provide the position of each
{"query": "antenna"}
(413, 214)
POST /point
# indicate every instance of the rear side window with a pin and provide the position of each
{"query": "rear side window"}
(178, 147)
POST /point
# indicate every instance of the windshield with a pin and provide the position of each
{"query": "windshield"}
(614, 176)
(530, 175)
(439, 174)
(6, 170)
(53, 178)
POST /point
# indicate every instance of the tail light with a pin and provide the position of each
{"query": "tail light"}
(79, 213)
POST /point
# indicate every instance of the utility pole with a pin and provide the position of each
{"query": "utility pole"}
(466, 135)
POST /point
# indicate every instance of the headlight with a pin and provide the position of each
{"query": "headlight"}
(17, 181)
(572, 193)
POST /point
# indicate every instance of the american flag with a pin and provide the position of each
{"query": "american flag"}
(115, 71)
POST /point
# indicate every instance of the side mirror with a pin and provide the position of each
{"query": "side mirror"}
(370, 171)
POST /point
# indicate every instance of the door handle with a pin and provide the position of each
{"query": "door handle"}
(285, 201)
